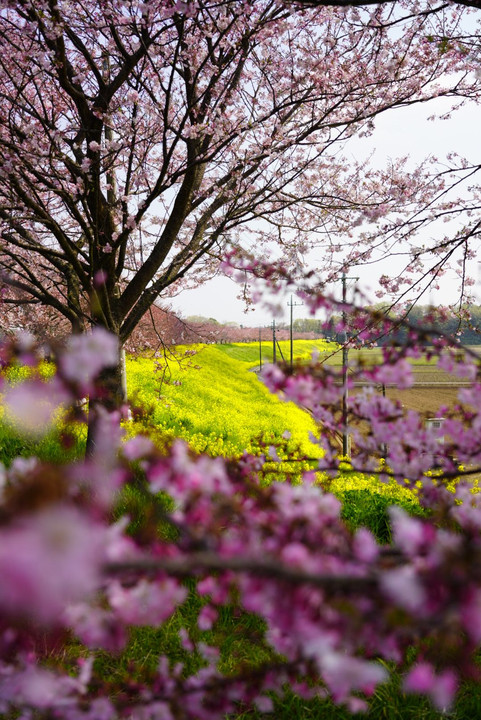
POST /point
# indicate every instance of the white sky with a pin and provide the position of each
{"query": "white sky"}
(405, 131)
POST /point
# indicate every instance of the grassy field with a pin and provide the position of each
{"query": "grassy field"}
(252, 353)
(214, 401)
(432, 387)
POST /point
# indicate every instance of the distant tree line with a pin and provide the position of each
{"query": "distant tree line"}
(463, 323)
(160, 326)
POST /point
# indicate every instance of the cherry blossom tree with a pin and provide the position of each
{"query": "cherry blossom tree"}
(28, 315)
(137, 139)
(159, 327)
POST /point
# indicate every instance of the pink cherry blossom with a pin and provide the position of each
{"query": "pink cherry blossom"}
(365, 546)
(411, 535)
(32, 406)
(345, 674)
(405, 589)
(147, 603)
(48, 560)
(86, 355)
(440, 687)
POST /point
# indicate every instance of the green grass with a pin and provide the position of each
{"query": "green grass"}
(61, 444)
(368, 508)
(389, 702)
(365, 500)
(329, 352)
(58, 446)
(249, 353)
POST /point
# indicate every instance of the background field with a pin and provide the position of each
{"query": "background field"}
(214, 400)
(432, 388)
(252, 353)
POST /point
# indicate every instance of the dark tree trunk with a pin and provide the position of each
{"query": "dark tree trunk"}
(110, 397)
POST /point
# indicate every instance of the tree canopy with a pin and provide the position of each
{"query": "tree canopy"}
(139, 139)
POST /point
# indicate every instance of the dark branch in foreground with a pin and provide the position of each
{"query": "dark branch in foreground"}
(206, 561)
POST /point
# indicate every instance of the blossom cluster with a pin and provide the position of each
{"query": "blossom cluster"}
(335, 603)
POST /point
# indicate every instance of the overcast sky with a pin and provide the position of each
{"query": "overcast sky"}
(406, 131)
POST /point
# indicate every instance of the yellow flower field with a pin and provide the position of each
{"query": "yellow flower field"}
(216, 404)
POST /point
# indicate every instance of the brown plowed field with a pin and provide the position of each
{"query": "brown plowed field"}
(432, 389)
(425, 399)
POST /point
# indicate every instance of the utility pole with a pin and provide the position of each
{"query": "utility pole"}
(260, 349)
(274, 341)
(292, 305)
(345, 352)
